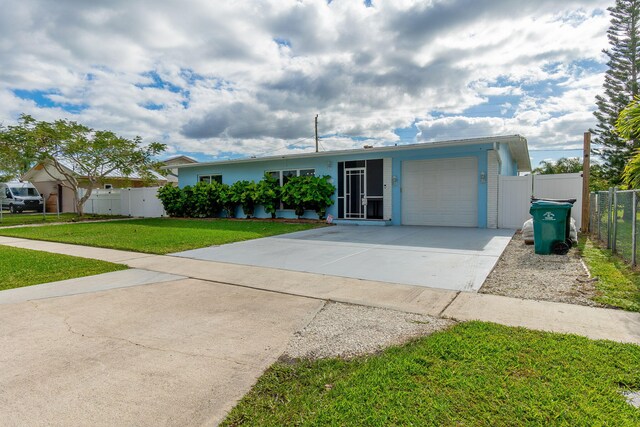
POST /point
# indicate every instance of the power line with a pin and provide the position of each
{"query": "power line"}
(556, 149)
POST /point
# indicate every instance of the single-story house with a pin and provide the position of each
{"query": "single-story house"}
(172, 170)
(49, 181)
(448, 183)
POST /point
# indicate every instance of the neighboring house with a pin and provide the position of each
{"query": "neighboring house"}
(172, 171)
(449, 183)
(49, 181)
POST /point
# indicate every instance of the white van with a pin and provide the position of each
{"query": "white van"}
(20, 196)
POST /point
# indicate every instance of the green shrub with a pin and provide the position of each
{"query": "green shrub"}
(309, 192)
(187, 201)
(171, 198)
(268, 194)
(227, 200)
(206, 199)
(245, 193)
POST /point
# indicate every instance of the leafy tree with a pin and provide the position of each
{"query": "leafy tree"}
(631, 174)
(74, 150)
(628, 127)
(268, 194)
(207, 199)
(309, 192)
(620, 88)
(245, 193)
(17, 154)
(563, 165)
(171, 198)
(228, 200)
(597, 181)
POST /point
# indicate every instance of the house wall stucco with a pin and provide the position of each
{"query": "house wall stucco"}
(328, 165)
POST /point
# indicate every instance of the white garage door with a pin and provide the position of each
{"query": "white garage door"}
(440, 192)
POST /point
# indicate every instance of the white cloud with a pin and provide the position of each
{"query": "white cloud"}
(230, 87)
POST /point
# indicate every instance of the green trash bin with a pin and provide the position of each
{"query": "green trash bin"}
(551, 222)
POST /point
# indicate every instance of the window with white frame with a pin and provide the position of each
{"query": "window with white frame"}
(283, 177)
(210, 178)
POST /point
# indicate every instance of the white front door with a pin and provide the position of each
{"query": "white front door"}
(355, 181)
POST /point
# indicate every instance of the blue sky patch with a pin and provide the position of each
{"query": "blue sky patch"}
(407, 135)
(43, 100)
(152, 106)
(496, 106)
(190, 76)
(282, 42)
(157, 82)
(40, 97)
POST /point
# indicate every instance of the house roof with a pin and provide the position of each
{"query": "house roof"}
(179, 160)
(517, 146)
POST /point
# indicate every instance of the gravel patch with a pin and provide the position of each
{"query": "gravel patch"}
(345, 330)
(520, 273)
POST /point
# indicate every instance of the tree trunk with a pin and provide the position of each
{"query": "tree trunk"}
(80, 202)
(80, 208)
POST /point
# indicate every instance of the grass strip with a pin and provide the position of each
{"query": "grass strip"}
(475, 374)
(9, 219)
(618, 284)
(24, 267)
(158, 235)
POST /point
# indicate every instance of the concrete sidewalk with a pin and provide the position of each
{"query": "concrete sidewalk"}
(596, 323)
(85, 285)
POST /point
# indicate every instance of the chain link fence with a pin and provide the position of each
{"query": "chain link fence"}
(614, 221)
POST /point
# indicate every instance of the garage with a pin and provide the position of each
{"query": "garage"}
(440, 192)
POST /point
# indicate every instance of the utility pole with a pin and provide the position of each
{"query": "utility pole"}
(316, 133)
(586, 163)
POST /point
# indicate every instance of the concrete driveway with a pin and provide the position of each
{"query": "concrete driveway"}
(440, 257)
(180, 352)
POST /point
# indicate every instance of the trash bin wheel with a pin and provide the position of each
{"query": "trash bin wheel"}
(560, 248)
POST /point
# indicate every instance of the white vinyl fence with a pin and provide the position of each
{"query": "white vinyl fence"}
(138, 202)
(515, 192)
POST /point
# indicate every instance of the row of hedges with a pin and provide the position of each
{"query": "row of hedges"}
(209, 200)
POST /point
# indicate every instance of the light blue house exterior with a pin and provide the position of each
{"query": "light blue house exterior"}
(448, 183)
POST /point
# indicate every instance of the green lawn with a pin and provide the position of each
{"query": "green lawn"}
(157, 235)
(24, 267)
(9, 219)
(618, 284)
(475, 374)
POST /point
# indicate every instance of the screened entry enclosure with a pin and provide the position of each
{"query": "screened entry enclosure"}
(360, 189)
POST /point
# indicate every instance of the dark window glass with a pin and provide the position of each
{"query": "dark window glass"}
(288, 174)
(307, 172)
(374, 209)
(354, 164)
(276, 175)
(210, 178)
(24, 192)
(341, 179)
(374, 178)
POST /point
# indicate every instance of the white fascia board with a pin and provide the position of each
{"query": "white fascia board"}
(510, 139)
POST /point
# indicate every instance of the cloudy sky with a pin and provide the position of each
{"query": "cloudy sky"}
(220, 79)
